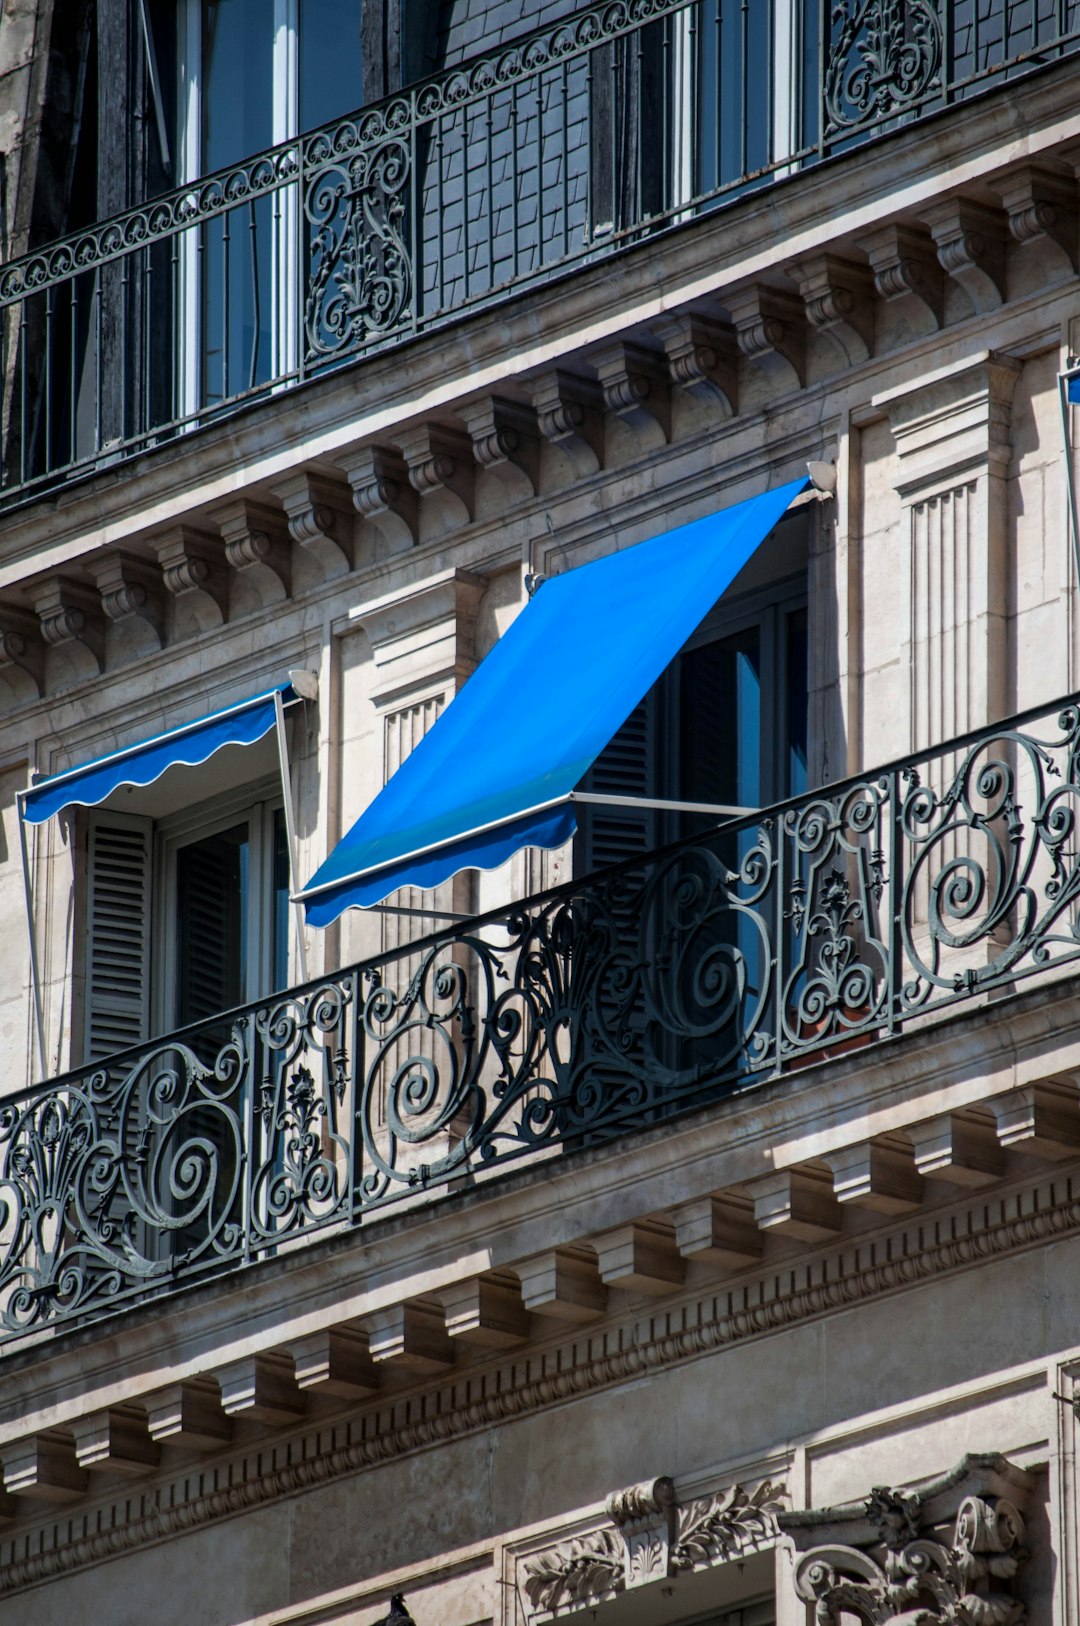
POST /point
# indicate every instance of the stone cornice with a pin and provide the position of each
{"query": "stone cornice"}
(749, 1309)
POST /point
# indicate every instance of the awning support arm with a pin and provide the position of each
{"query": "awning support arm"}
(290, 829)
(35, 970)
(1070, 483)
(665, 806)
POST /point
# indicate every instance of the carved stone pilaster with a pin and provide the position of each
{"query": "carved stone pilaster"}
(505, 439)
(22, 649)
(423, 634)
(383, 494)
(645, 1514)
(70, 618)
(1040, 204)
(191, 568)
(320, 517)
(839, 299)
(635, 385)
(970, 240)
(570, 411)
(130, 591)
(441, 469)
(771, 329)
(907, 274)
(256, 542)
(948, 1550)
(702, 357)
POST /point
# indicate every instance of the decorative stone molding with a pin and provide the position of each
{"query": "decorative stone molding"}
(970, 239)
(70, 617)
(703, 358)
(191, 568)
(257, 544)
(635, 385)
(570, 412)
(131, 590)
(839, 299)
(320, 518)
(654, 1538)
(441, 468)
(504, 439)
(22, 648)
(423, 634)
(907, 274)
(1040, 204)
(886, 1561)
(771, 329)
(383, 495)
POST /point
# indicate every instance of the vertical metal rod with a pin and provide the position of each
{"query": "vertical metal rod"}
(541, 212)
(49, 314)
(146, 339)
(465, 194)
(492, 213)
(354, 1086)
(440, 245)
(414, 222)
(99, 371)
(122, 348)
(565, 159)
(616, 125)
(23, 436)
(35, 969)
(744, 111)
(514, 227)
(290, 830)
(253, 242)
(226, 266)
(894, 894)
(822, 44)
(73, 376)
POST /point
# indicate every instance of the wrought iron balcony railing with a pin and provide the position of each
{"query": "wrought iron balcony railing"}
(553, 152)
(841, 919)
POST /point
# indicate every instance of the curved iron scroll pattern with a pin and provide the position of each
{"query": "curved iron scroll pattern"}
(577, 1015)
(885, 57)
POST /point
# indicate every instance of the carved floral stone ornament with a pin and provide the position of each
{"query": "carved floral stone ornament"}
(947, 1550)
(652, 1537)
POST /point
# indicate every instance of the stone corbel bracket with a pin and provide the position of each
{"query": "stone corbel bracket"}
(70, 618)
(839, 299)
(441, 470)
(946, 1549)
(131, 591)
(320, 518)
(570, 412)
(907, 275)
(1040, 204)
(635, 385)
(703, 358)
(970, 240)
(771, 329)
(257, 544)
(505, 440)
(383, 495)
(192, 572)
(22, 650)
(651, 1537)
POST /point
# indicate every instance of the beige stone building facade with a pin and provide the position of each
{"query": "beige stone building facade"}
(689, 1241)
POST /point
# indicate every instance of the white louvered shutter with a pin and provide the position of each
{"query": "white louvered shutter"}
(118, 933)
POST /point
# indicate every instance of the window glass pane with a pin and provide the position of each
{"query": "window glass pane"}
(211, 926)
(237, 80)
(279, 970)
(330, 65)
(720, 721)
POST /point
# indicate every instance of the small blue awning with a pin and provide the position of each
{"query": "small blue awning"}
(496, 771)
(1072, 389)
(192, 744)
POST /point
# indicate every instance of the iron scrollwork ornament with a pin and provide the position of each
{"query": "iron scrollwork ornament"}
(885, 58)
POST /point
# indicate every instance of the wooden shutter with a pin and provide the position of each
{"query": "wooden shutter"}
(626, 767)
(118, 933)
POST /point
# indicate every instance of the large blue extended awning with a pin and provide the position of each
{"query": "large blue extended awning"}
(498, 769)
(193, 744)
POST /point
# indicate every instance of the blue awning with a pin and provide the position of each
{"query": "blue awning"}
(192, 744)
(495, 772)
(1072, 389)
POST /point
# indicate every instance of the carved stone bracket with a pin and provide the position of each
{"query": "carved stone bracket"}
(191, 569)
(383, 494)
(22, 647)
(838, 295)
(635, 385)
(703, 358)
(570, 411)
(652, 1537)
(257, 543)
(907, 274)
(320, 519)
(504, 438)
(1041, 207)
(970, 241)
(771, 330)
(131, 590)
(441, 467)
(946, 1550)
(70, 617)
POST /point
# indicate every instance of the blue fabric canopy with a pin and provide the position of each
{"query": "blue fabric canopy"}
(495, 771)
(192, 744)
(1072, 389)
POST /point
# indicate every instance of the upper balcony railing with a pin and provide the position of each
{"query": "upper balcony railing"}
(842, 919)
(551, 153)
